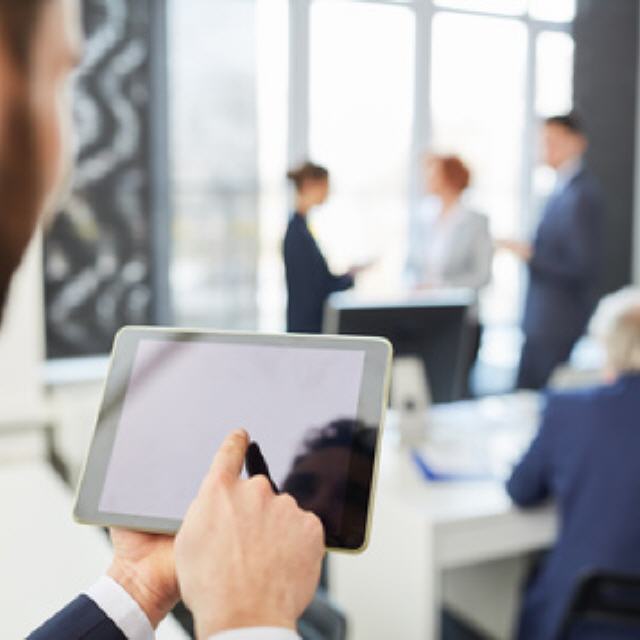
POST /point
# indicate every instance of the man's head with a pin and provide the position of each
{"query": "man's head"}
(39, 46)
(616, 323)
(563, 140)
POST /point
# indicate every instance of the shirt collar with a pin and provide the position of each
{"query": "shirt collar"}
(568, 171)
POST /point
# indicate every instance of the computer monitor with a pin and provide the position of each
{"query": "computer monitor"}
(433, 327)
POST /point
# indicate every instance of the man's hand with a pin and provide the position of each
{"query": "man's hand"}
(246, 557)
(144, 565)
(521, 250)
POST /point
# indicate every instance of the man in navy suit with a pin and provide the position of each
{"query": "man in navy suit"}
(564, 259)
(281, 546)
(585, 457)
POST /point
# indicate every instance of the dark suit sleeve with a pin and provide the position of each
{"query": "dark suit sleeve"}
(308, 268)
(530, 482)
(578, 262)
(82, 618)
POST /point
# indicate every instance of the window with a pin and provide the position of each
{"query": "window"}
(478, 111)
(214, 162)
(361, 103)
(379, 75)
(553, 10)
(228, 97)
(505, 7)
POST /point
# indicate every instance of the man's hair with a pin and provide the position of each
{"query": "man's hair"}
(616, 323)
(570, 121)
(18, 23)
(19, 175)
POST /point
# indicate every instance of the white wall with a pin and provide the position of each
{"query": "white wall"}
(22, 342)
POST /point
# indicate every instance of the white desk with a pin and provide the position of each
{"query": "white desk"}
(422, 530)
(45, 558)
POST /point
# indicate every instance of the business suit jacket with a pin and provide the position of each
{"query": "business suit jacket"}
(565, 266)
(585, 456)
(82, 618)
(309, 281)
(467, 261)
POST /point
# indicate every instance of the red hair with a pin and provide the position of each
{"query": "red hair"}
(454, 171)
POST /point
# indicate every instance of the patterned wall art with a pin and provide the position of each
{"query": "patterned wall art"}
(99, 256)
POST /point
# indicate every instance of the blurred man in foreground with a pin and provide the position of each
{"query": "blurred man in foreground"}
(245, 561)
(586, 458)
(564, 259)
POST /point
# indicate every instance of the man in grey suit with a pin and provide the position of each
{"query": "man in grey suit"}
(564, 259)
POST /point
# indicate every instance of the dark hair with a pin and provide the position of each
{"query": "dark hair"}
(19, 174)
(307, 172)
(570, 121)
(18, 23)
(455, 172)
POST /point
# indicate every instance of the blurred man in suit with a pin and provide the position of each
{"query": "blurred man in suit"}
(585, 456)
(281, 547)
(564, 259)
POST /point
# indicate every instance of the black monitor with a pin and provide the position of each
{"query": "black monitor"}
(433, 327)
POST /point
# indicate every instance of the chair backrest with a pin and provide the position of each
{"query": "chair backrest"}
(607, 600)
(322, 620)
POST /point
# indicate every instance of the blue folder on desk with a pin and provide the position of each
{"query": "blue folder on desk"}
(432, 475)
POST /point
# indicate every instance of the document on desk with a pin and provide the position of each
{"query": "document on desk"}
(476, 440)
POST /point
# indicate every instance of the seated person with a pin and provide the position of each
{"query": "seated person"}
(585, 457)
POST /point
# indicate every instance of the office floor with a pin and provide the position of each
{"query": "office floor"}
(46, 559)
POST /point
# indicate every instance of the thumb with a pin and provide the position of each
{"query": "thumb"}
(228, 462)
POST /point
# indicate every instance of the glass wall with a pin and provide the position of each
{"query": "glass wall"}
(372, 78)
(361, 108)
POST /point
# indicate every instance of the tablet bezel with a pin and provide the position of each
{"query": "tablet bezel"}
(374, 390)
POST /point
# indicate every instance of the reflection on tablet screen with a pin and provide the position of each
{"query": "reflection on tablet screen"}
(182, 398)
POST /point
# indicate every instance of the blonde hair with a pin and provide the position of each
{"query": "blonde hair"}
(616, 323)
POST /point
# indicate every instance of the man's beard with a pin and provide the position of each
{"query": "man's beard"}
(20, 192)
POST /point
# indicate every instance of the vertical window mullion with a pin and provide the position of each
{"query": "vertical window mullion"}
(299, 84)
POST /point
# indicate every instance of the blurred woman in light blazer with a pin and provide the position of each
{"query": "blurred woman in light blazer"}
(452, 246)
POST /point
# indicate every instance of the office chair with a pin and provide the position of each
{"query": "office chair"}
(603, 602)
(322, 620)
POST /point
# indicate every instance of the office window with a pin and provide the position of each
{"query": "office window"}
(554, 73)
(506, 7)
(361, 110)
(228, 97)
(553, 10)
(214, 162)
(478, 111)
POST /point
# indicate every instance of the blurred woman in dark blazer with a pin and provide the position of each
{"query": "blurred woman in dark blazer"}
(309, 280)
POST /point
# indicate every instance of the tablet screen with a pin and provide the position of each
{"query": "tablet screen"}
(182, 397)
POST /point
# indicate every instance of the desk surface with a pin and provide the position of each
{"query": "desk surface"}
(46, 559)
(421, 529)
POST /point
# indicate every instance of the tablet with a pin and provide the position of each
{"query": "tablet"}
(314, 404)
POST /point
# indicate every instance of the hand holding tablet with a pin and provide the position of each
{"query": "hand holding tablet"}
(314, 404)
(281, 548)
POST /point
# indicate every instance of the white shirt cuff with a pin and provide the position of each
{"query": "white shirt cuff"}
(257, 633)
(123, 610)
